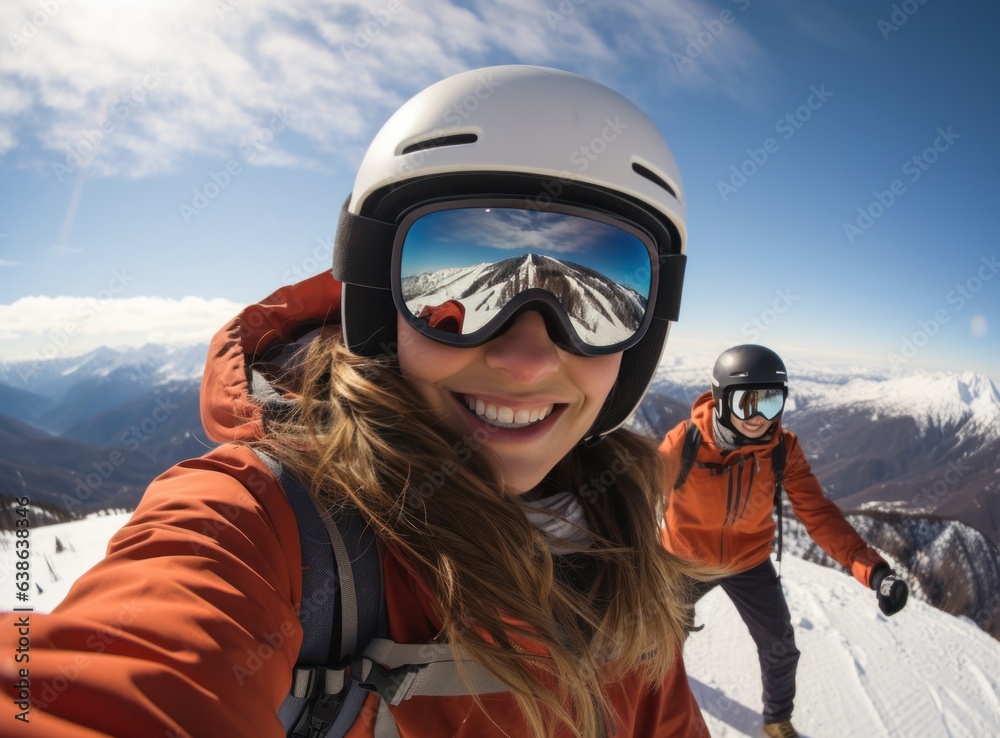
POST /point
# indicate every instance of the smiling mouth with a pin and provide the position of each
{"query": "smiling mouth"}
(501, 416)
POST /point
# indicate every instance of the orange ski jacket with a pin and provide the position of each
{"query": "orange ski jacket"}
(189, 626)
(721, 515)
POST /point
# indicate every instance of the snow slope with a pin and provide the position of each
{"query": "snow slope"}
(919, 674)
(84, 543)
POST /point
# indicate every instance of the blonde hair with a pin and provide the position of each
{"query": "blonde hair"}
(355, 439)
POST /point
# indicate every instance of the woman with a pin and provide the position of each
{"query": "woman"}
(500, 317)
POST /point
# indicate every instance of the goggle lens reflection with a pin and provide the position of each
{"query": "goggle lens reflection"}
(745, 403)
(460, 267)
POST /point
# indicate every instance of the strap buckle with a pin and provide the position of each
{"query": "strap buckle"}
(392, 685)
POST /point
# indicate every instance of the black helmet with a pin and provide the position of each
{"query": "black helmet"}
(748, 366)
(533, 133)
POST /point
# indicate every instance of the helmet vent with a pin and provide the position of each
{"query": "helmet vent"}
(653, 177)
(435, 143)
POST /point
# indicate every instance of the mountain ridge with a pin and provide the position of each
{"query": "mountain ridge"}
(152, 363)
(591, 298)
(941, 466)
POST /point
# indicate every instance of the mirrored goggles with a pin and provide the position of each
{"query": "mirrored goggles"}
(745, 403)
(463, 270)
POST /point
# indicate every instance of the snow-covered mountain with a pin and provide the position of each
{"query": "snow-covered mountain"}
(590, 298)
(967, 403)
(915, 456)
(921, 441)
(149, 366)
(921, 673)
(87, 432)
(944, 400)
(81, 387)
(947, 564)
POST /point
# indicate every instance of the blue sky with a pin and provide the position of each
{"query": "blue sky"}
(162, 164)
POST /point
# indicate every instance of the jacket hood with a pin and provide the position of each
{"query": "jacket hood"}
(229, 411)
(703, 412)
(271, 332)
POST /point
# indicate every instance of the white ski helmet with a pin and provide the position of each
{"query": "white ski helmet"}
(535, 133)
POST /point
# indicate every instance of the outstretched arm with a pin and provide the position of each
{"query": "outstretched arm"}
(822, 518)
(187, 627)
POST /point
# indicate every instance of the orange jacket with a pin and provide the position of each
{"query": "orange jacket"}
(721, 515)
(189, 625)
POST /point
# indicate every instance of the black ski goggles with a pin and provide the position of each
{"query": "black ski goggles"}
(746, 403)
(462, 270)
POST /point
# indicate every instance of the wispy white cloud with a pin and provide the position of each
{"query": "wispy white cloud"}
(62, 252)
(825, 23)
(7, 140)
(41, 326)
(132, 89)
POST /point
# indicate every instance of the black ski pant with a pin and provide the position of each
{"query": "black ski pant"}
(760, 602)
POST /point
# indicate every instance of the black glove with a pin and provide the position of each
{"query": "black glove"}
(890, 590)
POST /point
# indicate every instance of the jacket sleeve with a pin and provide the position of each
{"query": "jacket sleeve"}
(671, 711)
(822, 518)
(188, 626)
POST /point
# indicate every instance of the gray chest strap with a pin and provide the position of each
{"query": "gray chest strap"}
(340, 555)
(397, 672)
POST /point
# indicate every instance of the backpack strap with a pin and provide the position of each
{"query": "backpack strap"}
(689, 451)
(399, 671)
(778, 464)
(341, 575)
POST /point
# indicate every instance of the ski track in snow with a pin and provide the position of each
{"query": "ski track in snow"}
(919, 674)
(986, 686)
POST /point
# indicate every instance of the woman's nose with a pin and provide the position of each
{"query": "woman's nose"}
(524, 351)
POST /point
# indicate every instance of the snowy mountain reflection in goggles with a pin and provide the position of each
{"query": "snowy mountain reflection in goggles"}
(464, 270)
(745, 403)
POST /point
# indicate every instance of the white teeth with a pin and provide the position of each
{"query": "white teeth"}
(507, 417)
